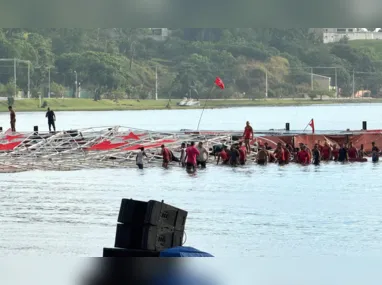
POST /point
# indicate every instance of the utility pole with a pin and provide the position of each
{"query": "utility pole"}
(335, 69)
(266, 84)
(29, 79)
(75, 72)
(311, 78)
(156, 82)
(15, 75)
(353, 86)
(49, 82)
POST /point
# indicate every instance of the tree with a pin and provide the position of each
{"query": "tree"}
(58, 90)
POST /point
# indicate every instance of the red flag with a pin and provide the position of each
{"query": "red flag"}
(311, 124)
(219, 82)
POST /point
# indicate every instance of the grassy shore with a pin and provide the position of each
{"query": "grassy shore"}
(32, 105)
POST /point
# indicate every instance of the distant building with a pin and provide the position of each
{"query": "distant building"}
(159, 34)
(331, 35)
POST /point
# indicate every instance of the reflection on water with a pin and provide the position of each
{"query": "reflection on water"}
(269, 211)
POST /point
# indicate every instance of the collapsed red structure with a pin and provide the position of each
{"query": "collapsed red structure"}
(364, 139)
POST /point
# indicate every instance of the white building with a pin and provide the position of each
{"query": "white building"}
(331, 35)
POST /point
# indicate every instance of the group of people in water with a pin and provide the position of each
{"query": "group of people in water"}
(193, 156)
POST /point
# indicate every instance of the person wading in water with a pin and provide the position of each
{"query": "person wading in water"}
(343, 153)
(51, 119)
(316, 154)
(182, 159)
(139, 158)
(166, 156)
(374, 152)
(202, 156)
(191, 154)
(234, 156)
(13, 119)
(262, 156)
(248, 136)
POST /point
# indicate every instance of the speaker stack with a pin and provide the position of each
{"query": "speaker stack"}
(144, 229)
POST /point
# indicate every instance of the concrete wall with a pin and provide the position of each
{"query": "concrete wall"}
(335, 37)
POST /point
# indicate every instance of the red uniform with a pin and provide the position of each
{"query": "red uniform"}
(335, 153)
(287, 154)
(325, 153)
(224, 155)
(280, 155)
(352, 153)
(303, 157)
(166, 155)
(242, 153)
(248, 131)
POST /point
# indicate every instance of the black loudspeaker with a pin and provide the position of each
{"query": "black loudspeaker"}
(147, 237)
(122, 252)
(152, 213)
(364, 125)
(287, 127)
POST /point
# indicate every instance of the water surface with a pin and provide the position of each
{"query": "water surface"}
(269, 211)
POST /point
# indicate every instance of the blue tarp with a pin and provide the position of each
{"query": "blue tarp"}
(184, 251)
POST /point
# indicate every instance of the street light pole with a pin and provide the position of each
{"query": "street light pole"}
(49, 83)
(266, 84)
(15, 75)
(29, 79)
(353, 86)
(156, 83)
(75, 72)
(311, 78)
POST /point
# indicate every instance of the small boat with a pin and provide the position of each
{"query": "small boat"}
(188, 102)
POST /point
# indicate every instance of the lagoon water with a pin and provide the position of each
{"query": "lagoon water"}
(290, 211)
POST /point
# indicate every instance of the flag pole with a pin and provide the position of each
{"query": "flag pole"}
(307, 125)
(205, 104)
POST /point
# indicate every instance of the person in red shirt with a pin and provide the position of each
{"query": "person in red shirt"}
(303, 156)
(326, 152)
(242, 153)
(352, 152)
(166, 156)
(223, 155)
(279, 154)
(191, 154)
(248, 136)
(287, 153)
(335, 152)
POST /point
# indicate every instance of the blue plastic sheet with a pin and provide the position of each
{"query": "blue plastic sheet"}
(183, 251)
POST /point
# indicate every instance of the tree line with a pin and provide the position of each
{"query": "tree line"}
(122, 63)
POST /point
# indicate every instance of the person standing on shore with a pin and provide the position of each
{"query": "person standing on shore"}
(51, 119)
(13, 119)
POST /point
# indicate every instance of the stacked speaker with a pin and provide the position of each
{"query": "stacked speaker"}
(144, 229)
